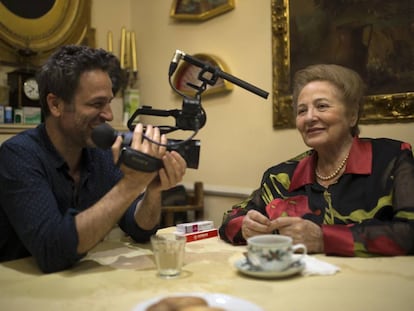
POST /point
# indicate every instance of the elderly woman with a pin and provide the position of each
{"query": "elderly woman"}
(347, 195)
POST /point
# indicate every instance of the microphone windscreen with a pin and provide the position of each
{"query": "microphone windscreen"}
(104, 136)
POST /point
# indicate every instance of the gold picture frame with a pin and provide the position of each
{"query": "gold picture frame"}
(199, 10)
(28, 39)
(377, 42)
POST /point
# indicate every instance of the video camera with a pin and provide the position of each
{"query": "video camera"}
(192, 117)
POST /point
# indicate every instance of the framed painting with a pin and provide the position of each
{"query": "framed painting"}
(373, 37)
(199, 10)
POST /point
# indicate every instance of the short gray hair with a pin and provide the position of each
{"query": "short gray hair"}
(348, 82)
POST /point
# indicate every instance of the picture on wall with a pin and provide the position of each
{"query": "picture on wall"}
(373, 37)
(199, 10)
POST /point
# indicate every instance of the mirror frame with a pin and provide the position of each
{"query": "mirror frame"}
(26, 41)
(378, 108)
(189, 73)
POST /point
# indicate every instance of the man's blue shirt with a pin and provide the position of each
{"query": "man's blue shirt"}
(39, 199)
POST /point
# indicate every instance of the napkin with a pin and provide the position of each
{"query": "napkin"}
(315, 266)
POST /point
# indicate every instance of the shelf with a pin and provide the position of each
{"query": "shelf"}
(13, 128)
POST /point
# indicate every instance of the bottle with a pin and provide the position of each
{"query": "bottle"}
(18, 115)
(8, 114)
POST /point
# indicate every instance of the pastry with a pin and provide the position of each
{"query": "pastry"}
(177, 303)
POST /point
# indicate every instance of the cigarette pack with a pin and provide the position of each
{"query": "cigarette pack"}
(195, 226)
(200, 235)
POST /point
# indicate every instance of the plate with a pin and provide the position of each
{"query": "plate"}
(246, 268)
(229, 303)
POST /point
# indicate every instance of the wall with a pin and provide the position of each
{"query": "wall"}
(238, 124)
(238, 141)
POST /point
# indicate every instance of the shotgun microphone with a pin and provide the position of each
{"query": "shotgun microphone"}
(206, 67)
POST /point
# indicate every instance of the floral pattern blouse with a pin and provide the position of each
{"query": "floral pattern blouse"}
(369, 211)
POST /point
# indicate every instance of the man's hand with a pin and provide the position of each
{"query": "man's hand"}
(148, 210)
(136, 177)
(171, 174)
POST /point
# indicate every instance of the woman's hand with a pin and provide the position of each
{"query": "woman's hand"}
(301, 231)
(255, 223)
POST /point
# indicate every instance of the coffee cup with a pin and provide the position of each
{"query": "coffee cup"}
(273, 252)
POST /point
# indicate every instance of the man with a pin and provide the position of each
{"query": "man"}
(59, 194)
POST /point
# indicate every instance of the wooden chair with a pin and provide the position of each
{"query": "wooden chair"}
(195, 204)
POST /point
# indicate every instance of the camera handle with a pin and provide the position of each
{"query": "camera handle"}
(192, 117)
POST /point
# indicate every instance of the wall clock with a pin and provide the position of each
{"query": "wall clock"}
(23, 89)
(188, 73)
(31, 89)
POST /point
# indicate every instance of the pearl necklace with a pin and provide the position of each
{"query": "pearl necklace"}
(335, 173)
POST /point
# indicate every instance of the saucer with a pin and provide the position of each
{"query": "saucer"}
(246, 268)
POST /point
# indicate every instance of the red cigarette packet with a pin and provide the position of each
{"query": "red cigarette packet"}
(200, 235)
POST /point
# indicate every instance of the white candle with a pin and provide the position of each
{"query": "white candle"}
(134, 52)
(110, 46)
(128, 50)
(122, 54)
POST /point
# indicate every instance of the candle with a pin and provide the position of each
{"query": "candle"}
(128, 50)
(110, 47)
(122, 54)
(134, 52)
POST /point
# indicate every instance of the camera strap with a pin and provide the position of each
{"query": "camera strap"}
(139, 161)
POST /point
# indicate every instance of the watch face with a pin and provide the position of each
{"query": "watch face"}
(31, 89)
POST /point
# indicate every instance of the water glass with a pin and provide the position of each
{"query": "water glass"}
(168, 249)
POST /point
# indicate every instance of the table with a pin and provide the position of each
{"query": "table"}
(119, 274)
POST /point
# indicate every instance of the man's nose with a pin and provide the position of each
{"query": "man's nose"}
(107, 113)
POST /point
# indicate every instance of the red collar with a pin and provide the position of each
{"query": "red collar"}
(359, 162)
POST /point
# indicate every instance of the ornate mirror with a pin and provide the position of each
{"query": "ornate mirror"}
(30, 31)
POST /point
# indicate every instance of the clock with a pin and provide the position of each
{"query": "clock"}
(23, 89)
(31, 89)
(188, 73)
